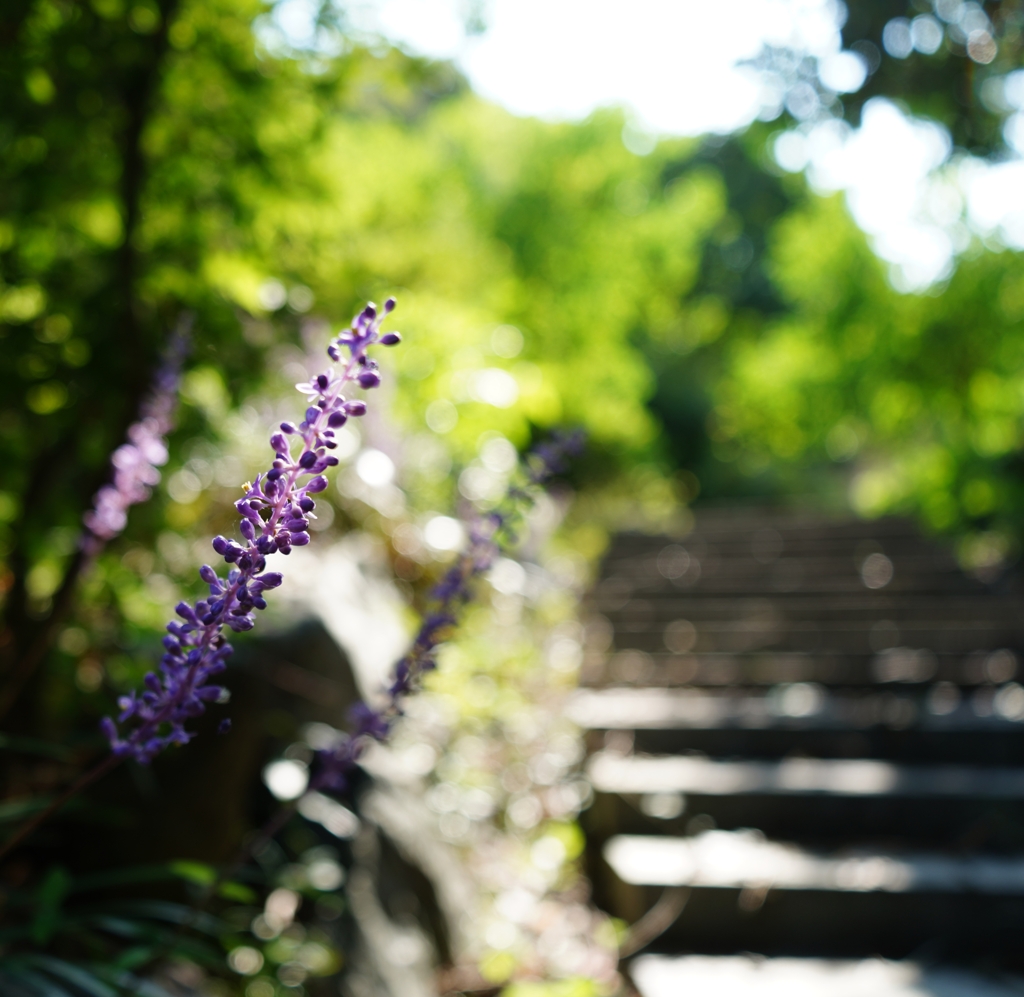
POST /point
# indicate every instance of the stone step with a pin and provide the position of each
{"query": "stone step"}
(746, 860)
(753, 976)
(747, 894)
(611, 772)
(801, 707)
(855, 611)
(792, 576)
(954, 927)
(821, 802)
(865, 636)
(819, 820)
(965, 746)
(645, 663)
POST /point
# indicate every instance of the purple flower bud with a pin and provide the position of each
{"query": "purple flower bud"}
(311, 413)
(389, 305)
(322, 381)
(300, 539)
(287, 427)
(185, 611)
(355, 408)
(247, 529)
(332, 352)
(220, 545)
(318, 484)
(266, 544)
(390, 339)
(208, 575)
(369, 379)
(369, 721)
(308, 459)
(279, 443)
(306, 504)
(336, 419)
(246, 509)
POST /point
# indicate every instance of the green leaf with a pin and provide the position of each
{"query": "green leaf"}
(34, 984)
(163, 910)
(135, 956)
(122, 927)
(50, 897)
(195, 872)
(143, 988)
(237, 891)
(76, 975)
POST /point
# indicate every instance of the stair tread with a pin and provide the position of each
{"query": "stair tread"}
(747, 860)
(806, 705)
(611, 772)
(753, 976)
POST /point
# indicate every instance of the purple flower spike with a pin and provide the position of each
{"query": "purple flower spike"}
(135, 463)
(489, 535)
(273, 511)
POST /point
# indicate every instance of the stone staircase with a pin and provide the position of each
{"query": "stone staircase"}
(814, 727)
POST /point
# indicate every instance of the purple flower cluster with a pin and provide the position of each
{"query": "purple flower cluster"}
(490, 534)
(275, 512)
(552, 456)
(135, 463)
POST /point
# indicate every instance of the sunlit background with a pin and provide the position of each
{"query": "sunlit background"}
(680, 70)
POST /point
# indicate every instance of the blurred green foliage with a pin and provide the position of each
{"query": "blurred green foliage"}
(921, 394)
